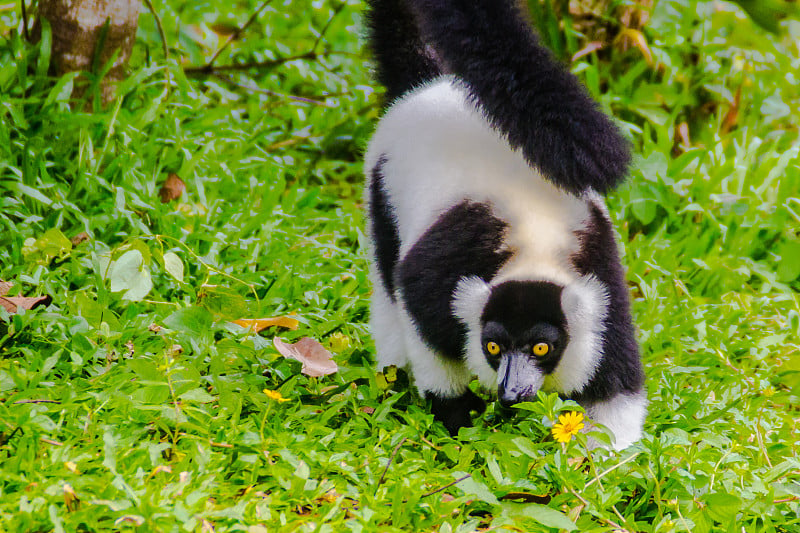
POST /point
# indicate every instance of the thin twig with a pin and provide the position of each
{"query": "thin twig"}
(786, 500)
(36, 401)
(160, 28)
(586, 504)
(391, 458)
(440, 489)
(609, 470)
(302, 99)
(211, 69)
(168, 79)
(235, 35)
(327, 25)
(24, 21)
(51, 441)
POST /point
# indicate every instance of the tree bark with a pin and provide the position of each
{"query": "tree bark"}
(79, 33)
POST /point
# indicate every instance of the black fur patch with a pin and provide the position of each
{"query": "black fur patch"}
(524, 92)
(454, 413)
(620, 368)
(464, 241)
(385, 234)
(402, 60)
(520, 310)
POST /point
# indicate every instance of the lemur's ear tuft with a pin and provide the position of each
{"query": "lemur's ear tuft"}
(470, 298)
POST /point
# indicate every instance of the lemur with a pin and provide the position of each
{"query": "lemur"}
(492, 250)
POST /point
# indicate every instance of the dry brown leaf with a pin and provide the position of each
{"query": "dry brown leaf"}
(630, 38)
(172, 188)
(257, 324)
(5, 286)
(732, 116)
(12, 302)
(71, 500)
(593, 46)
(224, 29)
(79, 238)
(682, 130)
(315, 358)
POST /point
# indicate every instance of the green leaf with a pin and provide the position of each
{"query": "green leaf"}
(194, 321)
(722, 506)
(223, 301)
(173, 265)
(129, 274)
(789, 265)
(50, 245)
(541, 513)
(197, 395)
(473, 487)
(643, 205)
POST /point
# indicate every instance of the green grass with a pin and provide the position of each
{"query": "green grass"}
(149, 415)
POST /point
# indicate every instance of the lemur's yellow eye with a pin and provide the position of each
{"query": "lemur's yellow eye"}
(541, 349)
(493, 348)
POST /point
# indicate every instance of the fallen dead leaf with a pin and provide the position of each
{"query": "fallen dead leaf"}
(315, 358)
(79, 238)
(630, 38)
(172, 188)
(11, 303)
(5, 286)
(732, 116)
(257, 324)
(71, 499)
(593, 46)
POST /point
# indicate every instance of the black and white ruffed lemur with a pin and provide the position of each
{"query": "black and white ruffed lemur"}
(492, 250)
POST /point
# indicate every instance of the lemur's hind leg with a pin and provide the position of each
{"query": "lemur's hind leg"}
(623, 414)
(442, 380)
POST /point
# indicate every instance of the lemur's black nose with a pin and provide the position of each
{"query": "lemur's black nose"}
(507, 398)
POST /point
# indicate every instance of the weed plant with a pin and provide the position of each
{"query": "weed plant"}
(132, 402)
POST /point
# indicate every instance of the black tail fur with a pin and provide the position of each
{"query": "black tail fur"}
(403, 62)
(524, 92)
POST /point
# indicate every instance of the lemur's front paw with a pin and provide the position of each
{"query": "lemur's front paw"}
(454, 413)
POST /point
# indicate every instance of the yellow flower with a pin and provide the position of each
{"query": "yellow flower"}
(568, 425)
(275, 395)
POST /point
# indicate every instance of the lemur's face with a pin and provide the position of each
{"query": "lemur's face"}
(523, 335)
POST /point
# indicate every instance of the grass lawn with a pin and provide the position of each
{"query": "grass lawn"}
(132, 402)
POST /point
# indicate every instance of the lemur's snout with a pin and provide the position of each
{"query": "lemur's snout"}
(518, 379)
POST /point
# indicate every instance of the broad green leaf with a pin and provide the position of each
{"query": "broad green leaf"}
(194, 321)
(129, 274)
(472, 487)
(722, 506)
(223, 301)
(543, 514)
(173, 265)
(789, 262)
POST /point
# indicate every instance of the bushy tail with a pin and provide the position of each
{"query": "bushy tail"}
(403, 60)
(525, 93)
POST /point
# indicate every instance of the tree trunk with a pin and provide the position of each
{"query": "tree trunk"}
(83, 28)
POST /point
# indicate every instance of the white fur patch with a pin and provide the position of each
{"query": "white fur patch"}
(469, 299)
(385, 326)
(624, 415)
(432, 373)
(584, 303)
(441, 151)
